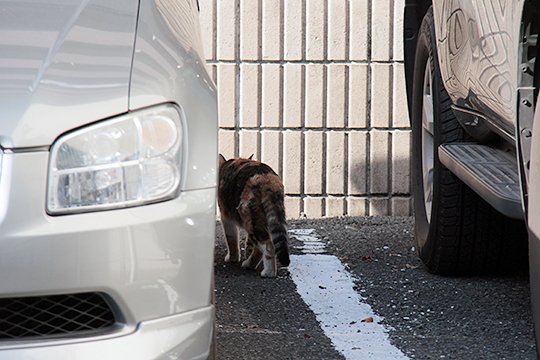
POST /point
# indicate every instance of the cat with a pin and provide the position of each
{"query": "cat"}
(251, 196)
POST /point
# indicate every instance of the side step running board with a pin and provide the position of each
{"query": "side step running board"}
(491, 173)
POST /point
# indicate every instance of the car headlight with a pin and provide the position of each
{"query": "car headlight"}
(130, 160)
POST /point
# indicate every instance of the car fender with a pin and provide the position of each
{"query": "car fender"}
(169, 66)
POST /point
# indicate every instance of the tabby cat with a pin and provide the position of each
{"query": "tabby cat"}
(250, 195)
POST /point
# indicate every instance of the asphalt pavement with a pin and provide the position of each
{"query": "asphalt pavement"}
(426, 316)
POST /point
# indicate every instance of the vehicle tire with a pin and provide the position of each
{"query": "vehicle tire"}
(457, 233)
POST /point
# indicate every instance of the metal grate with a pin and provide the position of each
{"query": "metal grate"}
(56, 315)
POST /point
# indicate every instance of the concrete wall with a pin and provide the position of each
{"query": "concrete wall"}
(315, 88)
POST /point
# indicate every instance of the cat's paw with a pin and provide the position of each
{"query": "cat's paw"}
(268, 273)
(246, 264)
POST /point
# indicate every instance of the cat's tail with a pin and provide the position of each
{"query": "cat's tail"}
(277, 225)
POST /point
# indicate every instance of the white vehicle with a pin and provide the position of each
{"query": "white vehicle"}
(108, 143)
(473, 82)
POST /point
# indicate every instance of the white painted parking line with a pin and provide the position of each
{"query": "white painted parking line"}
(328, 288)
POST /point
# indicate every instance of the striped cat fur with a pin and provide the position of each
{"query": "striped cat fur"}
(251, 196)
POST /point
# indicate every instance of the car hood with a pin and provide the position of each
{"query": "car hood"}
(63, 64)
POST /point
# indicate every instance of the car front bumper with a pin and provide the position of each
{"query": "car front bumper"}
(153, 262)
(184, 336)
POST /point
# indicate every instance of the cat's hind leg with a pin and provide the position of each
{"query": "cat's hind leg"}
(232, 240)
(254, 223)
(268, 258)
(264, 248)
(253, 256)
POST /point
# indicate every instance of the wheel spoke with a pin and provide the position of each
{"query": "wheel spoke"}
(428, 187)
(427, 113)
(427, 101)
(427, 140)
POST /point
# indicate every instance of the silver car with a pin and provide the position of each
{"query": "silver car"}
(108, 142)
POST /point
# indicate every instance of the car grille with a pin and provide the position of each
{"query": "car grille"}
(53, 316)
